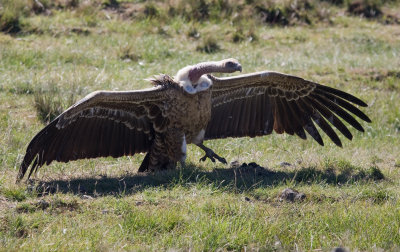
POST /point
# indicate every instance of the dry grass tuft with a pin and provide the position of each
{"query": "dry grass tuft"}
(239, 35)
(128, 52)
(193, 32)
(50, 104)
(151, 11)
(209, 45)
(11, 15)
(365, 8)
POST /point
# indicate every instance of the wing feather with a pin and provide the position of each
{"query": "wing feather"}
(334, 120)
(341, 112)
(259, 103)
(308, 123)
(321, 122)
(344, 104)
(251, 124)
(223, 124)
(101, 124)
(268, 117)
(279, 115)
(244, 120)
(298, 121)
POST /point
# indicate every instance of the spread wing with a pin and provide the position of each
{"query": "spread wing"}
(101, 124)
(258, 103)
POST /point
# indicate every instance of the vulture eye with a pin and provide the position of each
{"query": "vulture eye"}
(230, 64)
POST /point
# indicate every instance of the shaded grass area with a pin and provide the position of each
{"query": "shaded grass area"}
(242, 179)
(102, 204)
(194, 209)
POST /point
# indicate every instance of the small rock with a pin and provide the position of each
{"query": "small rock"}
(284, 164)
(300, 197)
(86, 197)
(247, 199)
(105, 211)
(234, 164)
(339, 249)
(42, 204)
(291, 195)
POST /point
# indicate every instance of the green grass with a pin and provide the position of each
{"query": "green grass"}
(352, 193)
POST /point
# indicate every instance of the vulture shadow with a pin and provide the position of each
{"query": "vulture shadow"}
(238, 179)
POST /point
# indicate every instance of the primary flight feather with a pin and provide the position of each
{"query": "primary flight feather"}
(192, 107)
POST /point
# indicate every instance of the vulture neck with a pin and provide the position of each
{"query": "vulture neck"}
(193, 79)
(200, 69)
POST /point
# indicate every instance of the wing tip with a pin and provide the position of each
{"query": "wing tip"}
(21, 173)
(343, 94)
(25, 166)
(361, 103)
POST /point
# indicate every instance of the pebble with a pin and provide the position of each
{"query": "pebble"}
(284, 164)
(291, 195)
(86, 197)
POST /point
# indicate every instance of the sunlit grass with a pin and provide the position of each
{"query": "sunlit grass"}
(351, 192)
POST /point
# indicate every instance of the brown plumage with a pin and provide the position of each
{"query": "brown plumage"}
(190, 108)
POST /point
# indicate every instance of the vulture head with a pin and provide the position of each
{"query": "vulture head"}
(194, 78)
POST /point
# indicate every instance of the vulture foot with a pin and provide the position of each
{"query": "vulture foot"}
(211, 155)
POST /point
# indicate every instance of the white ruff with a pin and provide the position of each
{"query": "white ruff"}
(199, 138)
(184, 149)
(182, 77)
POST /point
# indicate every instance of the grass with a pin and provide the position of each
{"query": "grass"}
(352, 193)
(50, 104)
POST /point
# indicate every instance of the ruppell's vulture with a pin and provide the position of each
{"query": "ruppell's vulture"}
(190, 108)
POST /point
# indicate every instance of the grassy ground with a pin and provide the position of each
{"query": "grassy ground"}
(352, 193)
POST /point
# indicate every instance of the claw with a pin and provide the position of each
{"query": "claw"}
(211, 155)
(223, 160)
(206, 156)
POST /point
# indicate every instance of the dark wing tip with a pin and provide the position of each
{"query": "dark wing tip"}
(343, 95)
(21, 173)
(367, 119)
(363, 104)
(25, 165)
(34, 148)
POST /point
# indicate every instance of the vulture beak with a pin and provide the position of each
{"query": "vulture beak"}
(239, 68)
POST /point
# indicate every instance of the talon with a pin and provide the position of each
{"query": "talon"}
(211, 155)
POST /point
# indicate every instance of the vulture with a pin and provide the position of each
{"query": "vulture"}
(189, 108)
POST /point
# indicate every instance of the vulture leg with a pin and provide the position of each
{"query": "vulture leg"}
(145, 163)
(164, 153)
(210, 154)
(163, 164)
